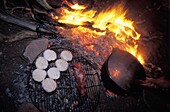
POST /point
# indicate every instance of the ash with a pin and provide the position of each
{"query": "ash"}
(18, 89)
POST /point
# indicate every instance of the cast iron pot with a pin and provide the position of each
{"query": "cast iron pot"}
(121, 72)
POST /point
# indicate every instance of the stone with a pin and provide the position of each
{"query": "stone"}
(27, 107)
(35, 48)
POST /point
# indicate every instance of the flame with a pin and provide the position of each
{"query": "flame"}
(78, 7)
(140, 58)
(92, 25)
(75, 6)
(77, 17)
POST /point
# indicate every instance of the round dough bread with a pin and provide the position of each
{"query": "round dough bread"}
(49, 55)
(39, 75)
(61, 64)
(41, 63)
(53, 73)
(49, 85)
(66, 55)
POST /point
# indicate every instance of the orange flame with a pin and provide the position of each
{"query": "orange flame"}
(76, 17)
(111, 20)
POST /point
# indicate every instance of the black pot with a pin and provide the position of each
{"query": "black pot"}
(120, 73)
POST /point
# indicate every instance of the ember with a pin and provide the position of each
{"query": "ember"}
(92, 25)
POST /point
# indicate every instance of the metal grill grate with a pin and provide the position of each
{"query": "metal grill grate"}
(66, 97)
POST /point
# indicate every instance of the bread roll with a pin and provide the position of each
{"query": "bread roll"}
(41, 63)
(49, 55)
(39, 75)
(66, 55)
(61, 64)
(53, 73)
(49, 85)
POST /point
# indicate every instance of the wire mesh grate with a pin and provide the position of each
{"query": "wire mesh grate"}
(66, 96)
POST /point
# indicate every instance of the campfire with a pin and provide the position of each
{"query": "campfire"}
(96, 31)
(105, 29)
(110, 55)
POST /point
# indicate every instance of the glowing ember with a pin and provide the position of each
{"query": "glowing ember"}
(92, 25)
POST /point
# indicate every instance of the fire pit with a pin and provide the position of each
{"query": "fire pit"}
(93, 29)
